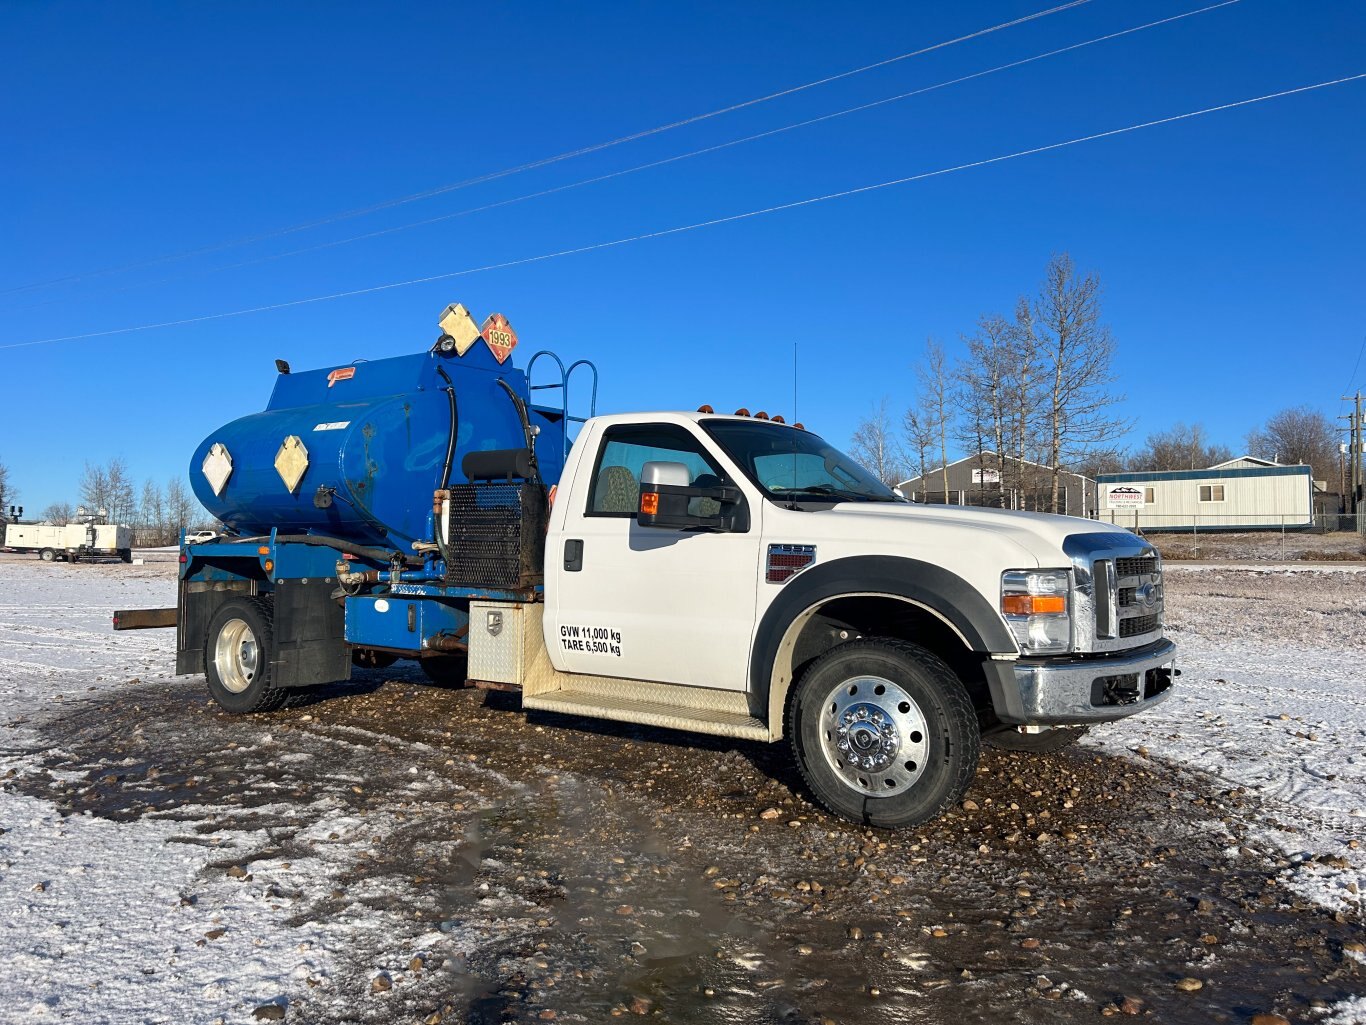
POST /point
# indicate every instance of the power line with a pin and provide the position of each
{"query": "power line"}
(597, 179)
(545, 161)
(729, 219)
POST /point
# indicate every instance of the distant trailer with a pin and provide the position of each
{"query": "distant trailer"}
(1228, 498)
(72, 542)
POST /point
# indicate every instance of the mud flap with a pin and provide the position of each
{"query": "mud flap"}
(310, 645)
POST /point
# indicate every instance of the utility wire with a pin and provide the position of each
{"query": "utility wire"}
(673, 159)
(729, 219)
(545, 161)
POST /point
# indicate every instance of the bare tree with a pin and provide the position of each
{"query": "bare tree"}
(108, 487)
(936, 384)
(1024, 396)
(876, 446)
(1079, 351)
(59, 513)
(152, 514)
(919, 434)
(8, 493)
(1097, 460)
(1298, 435)
(1181, 447)
(181, 508)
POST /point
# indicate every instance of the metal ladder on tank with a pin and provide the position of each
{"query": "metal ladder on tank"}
(563, 385)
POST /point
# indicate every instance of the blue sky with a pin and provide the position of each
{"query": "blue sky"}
(1230, 246)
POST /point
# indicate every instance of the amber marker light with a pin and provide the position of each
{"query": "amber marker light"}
(649, 503)
(263, 550)
(1033, 604)
(269, 565)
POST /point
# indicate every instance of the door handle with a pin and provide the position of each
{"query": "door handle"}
(573, 555)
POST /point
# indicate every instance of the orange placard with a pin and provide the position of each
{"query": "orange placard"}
(340, 374)
(499, 336)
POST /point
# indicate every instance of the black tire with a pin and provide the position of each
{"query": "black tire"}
(73, 558)
(369, 658)
(902, 769)
(1036, 743)
(126, 554)
(237, 651)
(446, 670)
(48, 555)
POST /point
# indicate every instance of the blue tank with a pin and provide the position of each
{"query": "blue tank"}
(371, 442)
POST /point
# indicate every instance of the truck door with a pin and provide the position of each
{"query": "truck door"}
(649, 603)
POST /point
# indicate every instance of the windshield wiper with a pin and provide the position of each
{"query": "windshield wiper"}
(826, 491)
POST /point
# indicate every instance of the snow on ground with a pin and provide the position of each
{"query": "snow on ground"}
(108, 921)
(112, 921)
(1272, 699)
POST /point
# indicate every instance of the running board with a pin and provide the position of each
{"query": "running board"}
(619, 708)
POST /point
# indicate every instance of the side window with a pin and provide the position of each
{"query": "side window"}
(625, 451)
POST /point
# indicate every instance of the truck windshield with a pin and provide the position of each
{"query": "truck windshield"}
(792, 465)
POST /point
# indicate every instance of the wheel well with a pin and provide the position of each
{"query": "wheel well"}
(844, 619)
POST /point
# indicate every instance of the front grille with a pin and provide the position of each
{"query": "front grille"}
(1137, 625)
(1135, 567)
(1128, 598)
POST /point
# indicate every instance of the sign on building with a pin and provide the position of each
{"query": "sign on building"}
(1121, 496)
(988, 475)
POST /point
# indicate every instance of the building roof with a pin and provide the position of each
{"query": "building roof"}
(1150, 476)
(1243, 462)
(996, 455)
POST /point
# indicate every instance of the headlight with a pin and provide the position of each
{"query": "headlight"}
(1036, 606)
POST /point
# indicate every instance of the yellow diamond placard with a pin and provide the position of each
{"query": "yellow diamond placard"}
(291, 462)
(217, 467)
(457, 322)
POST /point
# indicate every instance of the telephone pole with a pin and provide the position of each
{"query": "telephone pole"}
(1354, 449)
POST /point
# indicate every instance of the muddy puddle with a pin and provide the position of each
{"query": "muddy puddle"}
(554, 869)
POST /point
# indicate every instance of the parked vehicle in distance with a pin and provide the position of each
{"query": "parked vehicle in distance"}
(72, 542)
(196, 537)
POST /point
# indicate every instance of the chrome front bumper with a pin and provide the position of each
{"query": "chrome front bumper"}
(1074, 691)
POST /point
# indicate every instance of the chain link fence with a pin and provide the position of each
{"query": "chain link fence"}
(1330, 537)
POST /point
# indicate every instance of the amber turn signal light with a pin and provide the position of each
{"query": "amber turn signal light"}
(649, 503)
(1033, 604)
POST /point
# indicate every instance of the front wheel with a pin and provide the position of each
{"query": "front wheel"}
(126, 554)
(884, 733)
(48, 555)
(237, 657)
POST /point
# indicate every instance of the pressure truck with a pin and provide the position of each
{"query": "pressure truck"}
(731, 575)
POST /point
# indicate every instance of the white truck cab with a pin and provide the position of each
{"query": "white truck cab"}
(731, 575)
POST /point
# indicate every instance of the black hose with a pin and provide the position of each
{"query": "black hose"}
(381, 555)
(519, 405)
(455, 426)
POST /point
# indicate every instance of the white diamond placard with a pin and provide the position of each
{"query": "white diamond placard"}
(291, 462)
(217, 467)
(457, 322)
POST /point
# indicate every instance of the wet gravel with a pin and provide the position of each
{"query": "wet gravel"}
(584, 871)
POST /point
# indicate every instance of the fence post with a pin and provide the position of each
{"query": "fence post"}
(1282, 537)
(1195, 533)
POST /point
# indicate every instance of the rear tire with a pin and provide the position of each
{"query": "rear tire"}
(1036, 743)
(884, 733)
(237, 657)
(48, 555)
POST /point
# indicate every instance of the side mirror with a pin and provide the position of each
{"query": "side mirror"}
(668, 500)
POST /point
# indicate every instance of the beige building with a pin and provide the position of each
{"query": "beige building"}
(1242, 494)
(1003, 482)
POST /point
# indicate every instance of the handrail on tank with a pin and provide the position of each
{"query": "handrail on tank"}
(563, 386)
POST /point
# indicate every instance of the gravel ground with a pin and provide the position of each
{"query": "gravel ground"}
(468, 863)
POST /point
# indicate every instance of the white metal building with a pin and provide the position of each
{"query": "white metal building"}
(1241, 494)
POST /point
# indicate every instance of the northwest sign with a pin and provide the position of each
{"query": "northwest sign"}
(1124, 498)
(499, 336)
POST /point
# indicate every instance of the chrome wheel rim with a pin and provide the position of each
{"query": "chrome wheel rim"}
(874, 736)
(236, 656)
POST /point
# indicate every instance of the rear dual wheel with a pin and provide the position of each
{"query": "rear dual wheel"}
(884, 733)
(237, 657)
